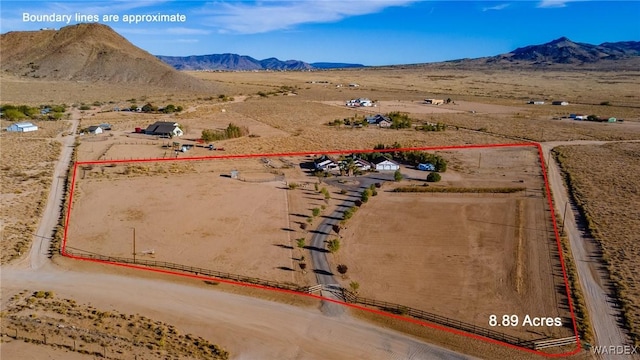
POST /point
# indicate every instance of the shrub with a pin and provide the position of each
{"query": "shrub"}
(315, 212)
(333, 245)
(433, 177)
(397, 176)
(342, 269)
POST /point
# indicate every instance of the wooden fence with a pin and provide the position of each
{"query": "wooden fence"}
(346, 295)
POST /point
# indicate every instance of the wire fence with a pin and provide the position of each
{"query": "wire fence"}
(346, 295)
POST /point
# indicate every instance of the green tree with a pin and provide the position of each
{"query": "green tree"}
(365, 195)
(433, 177)
(397, 176)
(315, 212)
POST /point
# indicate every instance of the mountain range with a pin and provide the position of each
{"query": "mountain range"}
(94, 52)
(235, 62)
(563, 53)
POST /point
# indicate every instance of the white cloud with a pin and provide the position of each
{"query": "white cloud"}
(497, 7)
(186, 31)
(553, 3)
(269, 16)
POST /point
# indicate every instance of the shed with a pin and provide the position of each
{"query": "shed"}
(560, 102)
(22, 127)
(234, 174)
(612, 120)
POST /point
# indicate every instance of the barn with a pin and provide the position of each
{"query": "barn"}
(22, 127)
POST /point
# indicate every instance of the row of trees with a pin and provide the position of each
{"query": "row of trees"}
(231, 132)
(42, 112)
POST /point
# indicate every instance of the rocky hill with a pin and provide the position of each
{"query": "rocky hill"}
(565, 51)
(235, 62)
(565, 54)
(87, 53)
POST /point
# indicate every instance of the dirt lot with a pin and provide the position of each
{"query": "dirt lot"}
(609, 200)
(462, 256)
(193, 213)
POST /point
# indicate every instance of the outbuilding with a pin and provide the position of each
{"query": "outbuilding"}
(384, 164)
(22, 127)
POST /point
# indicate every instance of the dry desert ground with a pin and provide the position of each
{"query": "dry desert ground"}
(498, 256)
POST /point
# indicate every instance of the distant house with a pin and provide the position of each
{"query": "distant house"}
(325, 163)
(164, 128)
(384, 164)
(94, 130)
(362, 164)
(380, 120)
(426, 167)
(536, 102)
(22, 127)
(560, 102)
(434, 101)
(612, 120)
(354, 85)
(359, 102)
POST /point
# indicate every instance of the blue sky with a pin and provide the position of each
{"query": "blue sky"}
(370, 32)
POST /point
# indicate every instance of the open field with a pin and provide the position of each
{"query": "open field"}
(464, 256)
(26, 172)
(604, 182)
(193, 213)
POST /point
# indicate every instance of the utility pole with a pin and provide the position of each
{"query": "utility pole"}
(479, 160)
(134, 245)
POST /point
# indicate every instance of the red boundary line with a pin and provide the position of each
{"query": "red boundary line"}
(354, 306)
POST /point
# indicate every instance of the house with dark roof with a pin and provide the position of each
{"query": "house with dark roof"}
(94, 130)
(164, 128)
(325, 163)
(380, 120)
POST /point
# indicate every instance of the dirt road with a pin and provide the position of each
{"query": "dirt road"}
(603, 313)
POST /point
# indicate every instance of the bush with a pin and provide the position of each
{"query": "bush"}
(433, 177)
(397, 176)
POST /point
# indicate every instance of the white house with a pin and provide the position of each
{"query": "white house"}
(325, 163)
(94, 130)
(164, 128)
(384, 164)
(22, 127)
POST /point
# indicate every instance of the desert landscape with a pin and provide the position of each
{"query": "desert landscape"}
(477, 242)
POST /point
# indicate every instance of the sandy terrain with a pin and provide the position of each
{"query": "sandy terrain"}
(462, 256)
(201, 220)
